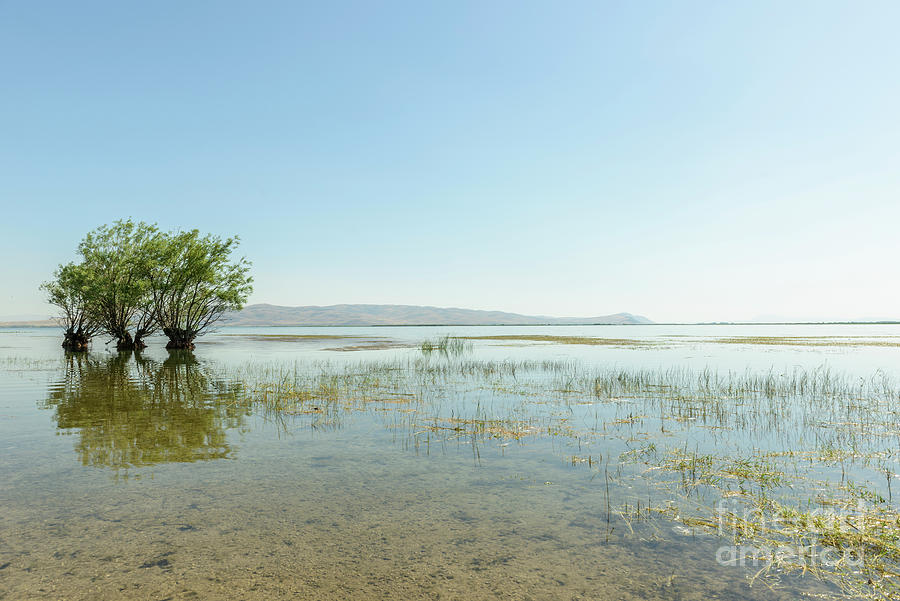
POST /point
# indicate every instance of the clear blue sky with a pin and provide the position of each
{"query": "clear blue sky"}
(685, 161)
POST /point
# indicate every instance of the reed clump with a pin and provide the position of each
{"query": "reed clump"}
(447, 345)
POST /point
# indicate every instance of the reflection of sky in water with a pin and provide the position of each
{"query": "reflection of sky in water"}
(677, 345)
(369, 508)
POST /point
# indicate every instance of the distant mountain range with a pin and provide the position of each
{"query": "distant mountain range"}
(404, 315)
(29, 323)
(414, 315)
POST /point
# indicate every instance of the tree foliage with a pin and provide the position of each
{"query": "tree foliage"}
(132, 277)
(70, 291)
(194, 282)
(118, 257)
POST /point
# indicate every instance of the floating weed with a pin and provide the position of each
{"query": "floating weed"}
(590, 460)
(855, 548)
(490, 428)
(755, 470)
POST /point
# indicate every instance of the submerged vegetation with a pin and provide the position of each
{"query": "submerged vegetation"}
(134, 278)
(763, 460)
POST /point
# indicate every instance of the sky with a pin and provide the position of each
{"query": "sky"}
(686, 161)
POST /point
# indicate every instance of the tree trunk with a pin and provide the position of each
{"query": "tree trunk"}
(75, 342)
(125, 342)
(139, 343)
(179, 340)
(180, 345)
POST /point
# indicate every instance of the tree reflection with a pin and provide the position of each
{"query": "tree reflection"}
(131, 411)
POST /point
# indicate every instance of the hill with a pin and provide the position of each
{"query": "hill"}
(403, 315)
(33, 323)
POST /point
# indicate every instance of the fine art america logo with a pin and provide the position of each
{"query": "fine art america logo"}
(799, 540)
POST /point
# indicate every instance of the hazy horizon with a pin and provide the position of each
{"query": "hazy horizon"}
(755, 319)
(687, 162)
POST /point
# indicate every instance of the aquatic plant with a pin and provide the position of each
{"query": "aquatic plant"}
(447, 345)
(696, 437)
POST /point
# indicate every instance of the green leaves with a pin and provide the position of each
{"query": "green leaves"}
(194, 283)
(117, 258)
(132, 276)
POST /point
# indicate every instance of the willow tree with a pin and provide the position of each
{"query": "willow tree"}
(194, 282)
(71, 291)
(117, 257)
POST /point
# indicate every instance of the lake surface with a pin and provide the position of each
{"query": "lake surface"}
(334, 463)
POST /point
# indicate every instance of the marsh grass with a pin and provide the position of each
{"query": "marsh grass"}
(851, 526)
(447, 345)
(26, 364)
(771, 441)
(850, 544)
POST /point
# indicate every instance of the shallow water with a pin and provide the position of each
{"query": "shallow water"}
(157, 476)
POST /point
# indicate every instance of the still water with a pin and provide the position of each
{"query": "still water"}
(163, 476)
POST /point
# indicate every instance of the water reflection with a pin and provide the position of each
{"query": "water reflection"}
(129, 411)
